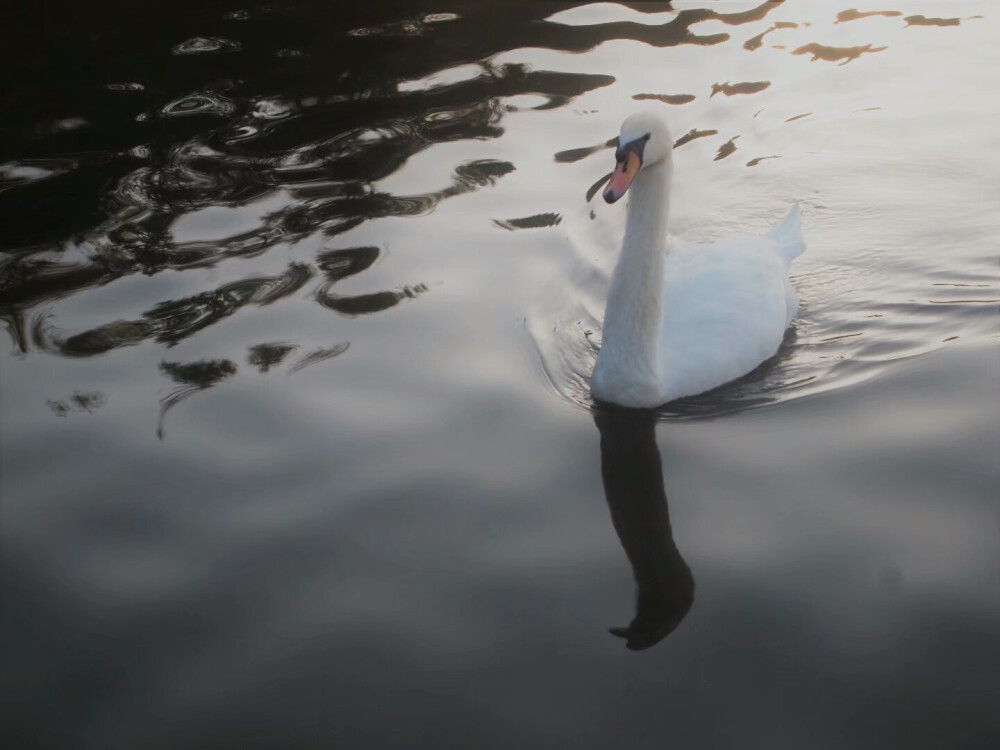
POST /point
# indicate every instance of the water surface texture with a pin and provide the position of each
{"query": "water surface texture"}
(299, 304)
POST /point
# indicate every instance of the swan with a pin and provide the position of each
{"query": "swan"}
(679, 321)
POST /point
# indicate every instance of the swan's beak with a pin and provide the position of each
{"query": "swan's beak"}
(625, 171)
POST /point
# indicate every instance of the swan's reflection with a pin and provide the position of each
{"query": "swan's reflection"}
(633, 485)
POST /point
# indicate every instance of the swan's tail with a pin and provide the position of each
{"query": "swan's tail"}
(787, 235)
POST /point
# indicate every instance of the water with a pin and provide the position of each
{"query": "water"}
(297, 448)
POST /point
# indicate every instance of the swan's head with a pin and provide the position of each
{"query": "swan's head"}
(644, 140)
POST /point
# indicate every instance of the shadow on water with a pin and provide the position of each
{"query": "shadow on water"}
(633, 486)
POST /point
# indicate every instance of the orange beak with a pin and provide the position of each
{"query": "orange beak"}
(621, 178)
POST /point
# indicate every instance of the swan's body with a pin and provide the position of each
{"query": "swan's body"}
(681, 321)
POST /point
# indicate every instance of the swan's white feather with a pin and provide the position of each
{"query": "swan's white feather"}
(725, 310)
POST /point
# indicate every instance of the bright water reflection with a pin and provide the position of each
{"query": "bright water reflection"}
(296, 442)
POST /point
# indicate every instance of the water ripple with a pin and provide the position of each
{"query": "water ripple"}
(26, 171)
(319, 355)
(200, 45)
(201, 103)
(172, 321)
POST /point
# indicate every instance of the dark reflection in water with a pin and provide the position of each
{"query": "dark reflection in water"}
(191, 378)
(854, 15)
(171, 322)
(633, 485)
(746, 87)
(834, 54)
(665, 98)
(692, 134)
(592, 190)
(340, 264)
(759, 159)
(726, 149)
(756, 42)
(575, 154)
(81, 402)
(266, 356)
(924, 21)
(536, 221)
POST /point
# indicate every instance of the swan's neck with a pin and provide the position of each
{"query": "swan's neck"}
(634, 311)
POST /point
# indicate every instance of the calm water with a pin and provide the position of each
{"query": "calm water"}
(297, 448)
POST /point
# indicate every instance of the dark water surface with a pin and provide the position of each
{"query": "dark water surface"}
(296, 443)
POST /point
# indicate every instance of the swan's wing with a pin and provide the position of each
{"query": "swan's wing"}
(725, 312)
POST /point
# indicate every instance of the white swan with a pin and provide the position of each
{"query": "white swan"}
(680, 321)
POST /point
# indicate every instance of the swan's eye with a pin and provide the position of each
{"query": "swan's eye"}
(636, 146)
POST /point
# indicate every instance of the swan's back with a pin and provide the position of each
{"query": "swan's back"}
(725, 308)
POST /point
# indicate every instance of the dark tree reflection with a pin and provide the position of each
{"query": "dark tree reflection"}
(191, 378)
(266, 356)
